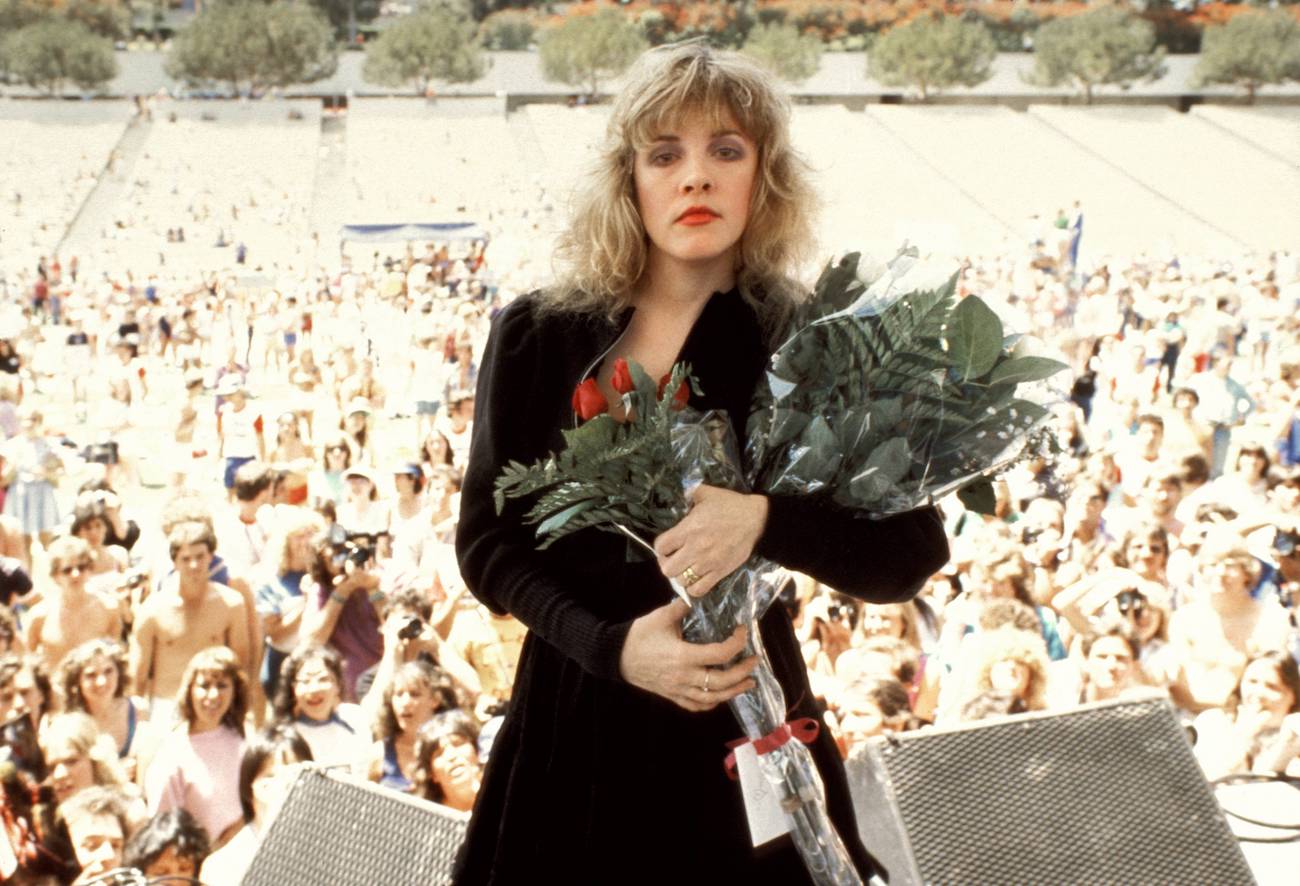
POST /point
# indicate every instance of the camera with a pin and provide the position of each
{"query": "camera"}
(410, 628)
(356, 547)
(1131, 601)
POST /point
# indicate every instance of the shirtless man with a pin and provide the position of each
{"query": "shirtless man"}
(188, 614)
(70, 615)
(1212, 637)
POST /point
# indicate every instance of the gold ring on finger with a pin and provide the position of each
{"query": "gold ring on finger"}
(689, 576)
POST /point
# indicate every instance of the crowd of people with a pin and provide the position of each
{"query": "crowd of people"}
(230, 507)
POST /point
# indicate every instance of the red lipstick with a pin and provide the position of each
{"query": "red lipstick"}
(697, 215)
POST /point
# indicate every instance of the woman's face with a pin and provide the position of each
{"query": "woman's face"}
(1010, 676)
(359, 488)
(1147, 555)
(271, 784)
(171, 863)
(335, 458)
(1230, 578)
(436, 447)
(454, 764)
(70, 770)
(98, 681)
(94, 532)
(413, 705)
(210, 695)
(356, 421)
(1262, 688)
(405, 484)
(882, 621)
(302, 550)
(1251, 465)
(315, 691)
(693, 188)
(860, 719)
(1110, 663)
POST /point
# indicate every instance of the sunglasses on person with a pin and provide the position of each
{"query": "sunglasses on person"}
(75, 567)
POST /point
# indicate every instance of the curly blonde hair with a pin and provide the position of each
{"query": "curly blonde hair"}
(605, 249)
(987, 648)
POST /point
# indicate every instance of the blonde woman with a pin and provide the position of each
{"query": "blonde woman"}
(681, 248)
(93, 680)
(78, 756)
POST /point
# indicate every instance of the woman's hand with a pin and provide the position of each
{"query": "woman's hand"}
(713, 539)
(690, 675)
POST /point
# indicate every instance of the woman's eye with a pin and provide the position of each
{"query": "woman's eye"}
(729, 152)
(661, 159)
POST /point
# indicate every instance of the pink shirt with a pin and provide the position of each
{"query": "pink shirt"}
(200, 774)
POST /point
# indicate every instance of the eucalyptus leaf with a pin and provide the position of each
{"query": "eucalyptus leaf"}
(974, 338)
(646, 386)
(892, 459)
(557, 520)
(979, 497)
(1025, 369)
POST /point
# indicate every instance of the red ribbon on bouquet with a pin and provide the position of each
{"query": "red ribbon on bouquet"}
(804, 729)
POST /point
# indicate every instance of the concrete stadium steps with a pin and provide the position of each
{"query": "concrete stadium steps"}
(1275, 130)
(408, 160)
(53, 154)
(569, 138)
(1248, 195)
(245, 169)
(1015, 166)
(877, 192)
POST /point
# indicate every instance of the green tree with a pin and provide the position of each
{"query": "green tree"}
(933, 53)
(510, 29)
(15, 14)
(586, 49)
(252, 47)
(793, 56)
(108, 18)
(1103, 45)
(51, 53)
(345, 16)
(438, 43)
(1252, 49)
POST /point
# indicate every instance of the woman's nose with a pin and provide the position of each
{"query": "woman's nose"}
(696, 177)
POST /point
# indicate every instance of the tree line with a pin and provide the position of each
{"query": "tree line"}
(247, 47)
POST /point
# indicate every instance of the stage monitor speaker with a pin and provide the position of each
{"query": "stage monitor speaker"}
(344, 832)
(1106, 793)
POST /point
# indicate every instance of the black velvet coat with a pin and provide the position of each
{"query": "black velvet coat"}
(592, 780)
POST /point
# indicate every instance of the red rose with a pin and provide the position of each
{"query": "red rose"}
(681, 397)
(588, 401)
(622, 380)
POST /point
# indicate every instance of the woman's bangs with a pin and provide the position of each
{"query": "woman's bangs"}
(696, 88)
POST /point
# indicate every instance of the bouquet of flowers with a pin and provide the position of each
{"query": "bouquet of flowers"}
(884, 395)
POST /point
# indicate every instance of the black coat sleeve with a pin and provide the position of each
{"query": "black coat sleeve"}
(497, 553)
(881, 561)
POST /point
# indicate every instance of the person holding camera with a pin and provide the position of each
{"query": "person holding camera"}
(341, 605)
(411, 635)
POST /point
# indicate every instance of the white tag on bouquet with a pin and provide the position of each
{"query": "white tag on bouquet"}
(762, 808)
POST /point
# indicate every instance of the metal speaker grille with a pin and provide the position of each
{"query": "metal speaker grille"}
(1106, 794)
(335, 832)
